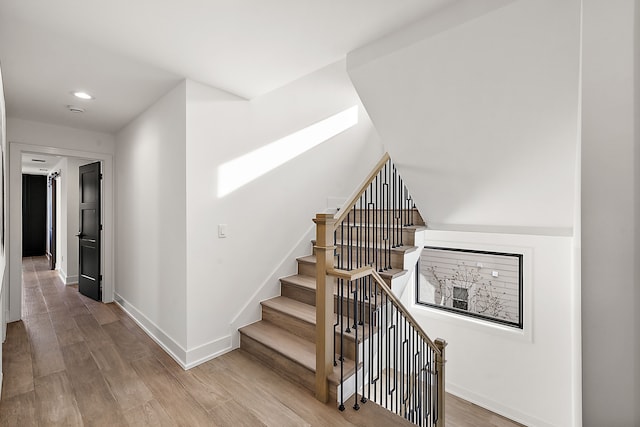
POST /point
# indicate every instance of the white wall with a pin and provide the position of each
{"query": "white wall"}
(609, 215)
(68, 189)
(151, 220)
(527, 375)
(64, 240)
(33, 137)
(637, 200)
(4, 282)
(270, 216)
(48, 135)
(481, 119)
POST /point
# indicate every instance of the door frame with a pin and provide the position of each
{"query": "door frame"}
(14, 217)
(52, 187)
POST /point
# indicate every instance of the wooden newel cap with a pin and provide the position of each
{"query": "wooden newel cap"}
(440, 343)
(324, 218)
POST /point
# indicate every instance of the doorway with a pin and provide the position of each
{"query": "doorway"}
(15, 220)
(34, 215)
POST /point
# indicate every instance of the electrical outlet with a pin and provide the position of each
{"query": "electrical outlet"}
(222, 231)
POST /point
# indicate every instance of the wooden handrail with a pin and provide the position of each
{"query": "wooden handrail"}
(350, 274)
(369, 271)
(347, 250)
(346, 208)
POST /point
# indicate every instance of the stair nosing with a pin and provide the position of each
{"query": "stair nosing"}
(274, 304)
(249, 332)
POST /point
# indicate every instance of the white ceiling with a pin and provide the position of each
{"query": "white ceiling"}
(39, 164)
(129, 53)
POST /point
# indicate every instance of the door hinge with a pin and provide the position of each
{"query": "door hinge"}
(100, 277)
(100, 227)
(100, 176)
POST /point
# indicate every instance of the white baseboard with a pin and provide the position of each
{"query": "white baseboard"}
(168, 344)
(208, 351)
(497, 407)
(67, 280)
(187, 359)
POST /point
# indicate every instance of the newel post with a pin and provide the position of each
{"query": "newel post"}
(325, 250)
(440, 361)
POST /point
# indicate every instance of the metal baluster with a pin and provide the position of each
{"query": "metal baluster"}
(335, 325)
(355, 316)
(388, 219)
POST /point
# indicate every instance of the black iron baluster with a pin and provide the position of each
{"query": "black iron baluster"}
(355, 316)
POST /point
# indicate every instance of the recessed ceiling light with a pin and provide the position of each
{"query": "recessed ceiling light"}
(75, 109)
(82, 95)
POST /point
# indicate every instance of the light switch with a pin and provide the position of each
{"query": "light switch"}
(494, 273)
(479, 265)
(222, 231)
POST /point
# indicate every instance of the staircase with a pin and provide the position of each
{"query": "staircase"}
(338, 328)
(285, 337)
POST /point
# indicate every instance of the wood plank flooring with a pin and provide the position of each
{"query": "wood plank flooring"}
(72, 361)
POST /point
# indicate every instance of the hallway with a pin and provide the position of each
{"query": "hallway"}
(73, 361)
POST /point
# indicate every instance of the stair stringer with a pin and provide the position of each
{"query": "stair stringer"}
(270, 288)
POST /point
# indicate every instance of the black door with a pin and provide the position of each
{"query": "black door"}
(34, 215)
(89, 282)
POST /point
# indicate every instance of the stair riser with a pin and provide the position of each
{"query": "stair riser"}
(408, 236)
(307, 269)
(308, 296)
(380, 217)
(291, 370)
(298, 293)
(289, 323)
(362, 255)
(304, 329)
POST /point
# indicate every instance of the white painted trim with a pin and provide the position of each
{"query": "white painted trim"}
(62, 275)
(504, 229)
(208, 351)
(526, 333)
(496, 407)
(14, 228)
(251, 311)
(67, 280)
(1, 380)
(168, 344)
(187, 359)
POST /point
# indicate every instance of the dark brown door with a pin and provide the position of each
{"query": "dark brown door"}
(89, 281)
(52, 223)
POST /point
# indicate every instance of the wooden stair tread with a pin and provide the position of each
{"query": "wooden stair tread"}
(307, 313)
(300, 280)
(293, 308)
(291, 346)
(404, 249)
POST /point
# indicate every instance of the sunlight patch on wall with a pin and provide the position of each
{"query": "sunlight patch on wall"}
(248, 167)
